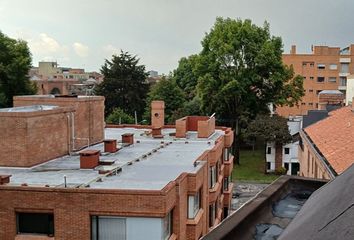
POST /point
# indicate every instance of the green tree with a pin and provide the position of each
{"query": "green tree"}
(118, 116)
(270, 129)
(185, 75)
(124, 84)
(15, 63)
(241, 71)
(174, 98)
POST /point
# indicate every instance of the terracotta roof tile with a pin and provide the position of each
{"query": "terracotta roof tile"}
(334, 137)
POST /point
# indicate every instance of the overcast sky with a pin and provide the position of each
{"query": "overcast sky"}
(82, 33)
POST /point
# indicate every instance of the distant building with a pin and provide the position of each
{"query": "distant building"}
(288, 155)
(326, 68)
(51, 79)
(139, 182)
(153, 73)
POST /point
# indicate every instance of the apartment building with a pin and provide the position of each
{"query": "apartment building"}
(140, 182)
(326, 68)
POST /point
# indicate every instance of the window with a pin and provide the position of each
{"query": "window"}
(311, 90)
(227, 154)
(312, 64)
(303, 104)
(212, 214)
(304, 64)
(344, 68)
(268, 165)
(212, 176)
(311, 78)
(286, 166)
(269, 150)
(342, 81)
(193, 204)
(333, 66)
(320, 79)
(321, 66)
(227, 180)
(108, 228)
(332, 79)
(286, 150)
(310, 104)
(167, 226)
(304, 77)
(35, 223)
(318, 91)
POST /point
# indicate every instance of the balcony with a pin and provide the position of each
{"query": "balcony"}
(344, 60)
(215, 191)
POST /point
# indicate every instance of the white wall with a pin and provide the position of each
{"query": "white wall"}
(350, 90)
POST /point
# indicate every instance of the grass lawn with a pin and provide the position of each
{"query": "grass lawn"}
(251, 168)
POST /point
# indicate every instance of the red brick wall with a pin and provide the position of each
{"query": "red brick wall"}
(30, 138)
(89, 115)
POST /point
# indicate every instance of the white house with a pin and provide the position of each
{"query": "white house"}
(290, 159)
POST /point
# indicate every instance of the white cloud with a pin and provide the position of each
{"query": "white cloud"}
(44, 44)
(81, 49)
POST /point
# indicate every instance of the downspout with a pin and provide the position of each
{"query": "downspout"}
(69, 135)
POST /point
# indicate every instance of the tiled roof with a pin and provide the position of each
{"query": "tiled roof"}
(334, 137)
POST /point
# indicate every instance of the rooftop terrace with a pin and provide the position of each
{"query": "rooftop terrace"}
(148, 164)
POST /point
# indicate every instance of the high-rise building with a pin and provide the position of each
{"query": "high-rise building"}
(326, 68)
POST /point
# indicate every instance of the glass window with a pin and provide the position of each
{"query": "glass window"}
(108, 228)
(342, 81)
(167, 226)
(212, 214)
(35, 223)
(344, 68)
(212, 176)
(227, 152)
(333, 66)
(332, 79)
(321, 66)
(311, 90)
(269, 150)
(226, 182)
(320, 79)
(311, 78)
(193, 204)
(286, 150)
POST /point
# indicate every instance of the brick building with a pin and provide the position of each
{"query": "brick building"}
(326, 68)
(142, 182)
(326, 146)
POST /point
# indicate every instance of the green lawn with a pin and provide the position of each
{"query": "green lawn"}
(251, 168)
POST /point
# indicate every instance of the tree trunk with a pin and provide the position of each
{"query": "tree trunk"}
(265, 156)
(278, 155)
(236, 143)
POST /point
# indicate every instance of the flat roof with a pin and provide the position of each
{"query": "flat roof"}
(33, 108)
(149, 164)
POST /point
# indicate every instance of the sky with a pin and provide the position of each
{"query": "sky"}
(83, 33)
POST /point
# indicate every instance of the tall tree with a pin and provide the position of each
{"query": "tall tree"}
(15, 62)
(185, 75)
(270, 129)
(124, 84)
(241, 71)
(174, 98)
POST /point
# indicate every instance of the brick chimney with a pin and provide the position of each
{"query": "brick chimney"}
(293, 49)
(110, 145)
(128, 138)
(157, 114)
(89, 159)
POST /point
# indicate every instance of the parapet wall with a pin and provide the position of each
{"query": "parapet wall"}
(88, 119)
(33, 137)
